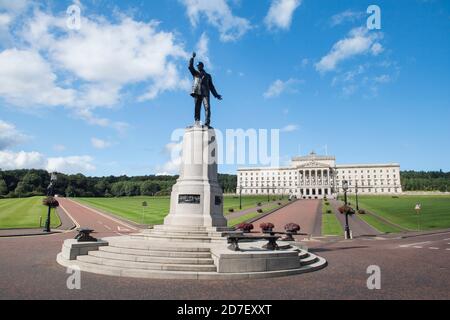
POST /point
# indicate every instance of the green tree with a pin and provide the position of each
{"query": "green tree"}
(70, 191)
(3, 188)
(149, 188)
(118, 189)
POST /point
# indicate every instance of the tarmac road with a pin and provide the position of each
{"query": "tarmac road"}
(412, 268)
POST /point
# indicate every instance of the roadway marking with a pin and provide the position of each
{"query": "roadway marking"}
(418, 247)
(105, 216)
(433, 248)
(70, 216)
(107, 227)
(413, 244)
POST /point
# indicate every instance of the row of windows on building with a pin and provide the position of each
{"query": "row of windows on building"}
(338, 171)
(361, 183)
(292, 191)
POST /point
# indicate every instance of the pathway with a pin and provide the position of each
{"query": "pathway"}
(306, 213)
(357, 226)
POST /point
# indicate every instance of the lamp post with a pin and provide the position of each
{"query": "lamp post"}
(356, 192)
(240, 197)
(268, 195)
(50, 188)
(347, 227)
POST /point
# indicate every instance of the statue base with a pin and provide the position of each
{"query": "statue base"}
(197, 198)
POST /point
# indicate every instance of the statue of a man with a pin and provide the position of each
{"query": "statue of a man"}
(203, 86)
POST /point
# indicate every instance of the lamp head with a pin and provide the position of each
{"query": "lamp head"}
(345, 185)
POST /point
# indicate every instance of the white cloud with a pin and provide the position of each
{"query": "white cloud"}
(278, 87)
(359, 41)
(10, 136)
(21, 160)
(172, 166)
(90, 68)
(27, 80)
(34, 160)
(280, 14)
(290, 128)
(218, 13)
(100, 144)
(203, 50)
(71, 165)
(346, 16)
(5, 20)
(14, 6)
(376, 49)
(9, 11)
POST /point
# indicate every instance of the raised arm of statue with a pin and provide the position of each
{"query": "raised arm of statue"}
(194, 72)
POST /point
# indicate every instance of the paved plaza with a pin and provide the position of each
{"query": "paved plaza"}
(416, 267)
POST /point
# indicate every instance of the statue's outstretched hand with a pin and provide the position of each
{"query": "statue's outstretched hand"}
(194, 55)
(219, 97)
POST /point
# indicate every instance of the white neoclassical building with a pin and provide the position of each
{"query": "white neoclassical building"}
(315, 176)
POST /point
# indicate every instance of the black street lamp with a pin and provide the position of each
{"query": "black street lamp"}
(240, 197)
(347, 227)
(357, 202)
(50, 189)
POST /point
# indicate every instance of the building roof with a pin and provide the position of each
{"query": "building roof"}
(313, 156)
(367, 165)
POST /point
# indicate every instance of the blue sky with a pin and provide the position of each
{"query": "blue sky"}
(105, 99)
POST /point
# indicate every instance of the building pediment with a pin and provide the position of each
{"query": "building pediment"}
(313, 164)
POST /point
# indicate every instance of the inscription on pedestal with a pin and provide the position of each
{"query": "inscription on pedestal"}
(189, 199)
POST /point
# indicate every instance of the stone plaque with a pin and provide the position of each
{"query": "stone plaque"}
(189, 199)
(218, 200)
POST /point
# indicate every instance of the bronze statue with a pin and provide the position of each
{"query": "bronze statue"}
(203, 86)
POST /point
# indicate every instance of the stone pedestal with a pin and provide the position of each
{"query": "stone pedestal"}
(197, 198)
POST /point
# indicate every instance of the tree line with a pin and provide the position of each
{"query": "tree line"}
(28, 183)
(425, 181)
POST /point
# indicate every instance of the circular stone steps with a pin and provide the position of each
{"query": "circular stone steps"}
(155, 274)
(177, 238)
(139, 252)
(151, 259)
(159, 256)
(146, 265)
(129, 243)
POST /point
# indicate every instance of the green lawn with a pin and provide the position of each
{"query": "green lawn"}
(232, 202)
(435, 213)
(330, 223)
(158, 207)
(251, 215)
(131, 207)
(24, 213)
(378, 224)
